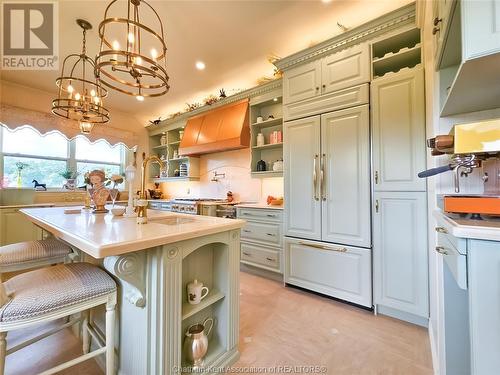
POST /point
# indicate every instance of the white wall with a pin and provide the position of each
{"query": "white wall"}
(236, 166)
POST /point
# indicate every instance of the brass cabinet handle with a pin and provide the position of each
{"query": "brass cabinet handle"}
(376, 177)
(247, 254)
(271, 215)
(247, 231)
(315, 178)
(271, 259)
(441, 230)
(435, 30)
(376, 205)
(271, 234)
(441, 250)
(322, 177)
(437, 20)
(322, 247)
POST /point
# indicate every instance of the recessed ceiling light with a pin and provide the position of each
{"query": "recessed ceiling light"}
(275, 99)
(326, 1)
(140, 98)
(200, 65)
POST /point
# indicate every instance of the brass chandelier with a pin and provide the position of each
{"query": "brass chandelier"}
(132, 56)
(80, 93)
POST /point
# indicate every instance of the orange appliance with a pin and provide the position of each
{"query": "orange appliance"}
(472, 204)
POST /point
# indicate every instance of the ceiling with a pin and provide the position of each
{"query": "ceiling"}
(233, 38)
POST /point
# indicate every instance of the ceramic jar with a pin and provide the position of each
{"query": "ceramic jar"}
(260, 139)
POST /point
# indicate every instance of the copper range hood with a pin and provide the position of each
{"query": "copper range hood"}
(223, 129)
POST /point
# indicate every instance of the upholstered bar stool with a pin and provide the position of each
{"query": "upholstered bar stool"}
(51, 293)
(31, 254)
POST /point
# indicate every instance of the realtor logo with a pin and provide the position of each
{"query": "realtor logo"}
(29, 35)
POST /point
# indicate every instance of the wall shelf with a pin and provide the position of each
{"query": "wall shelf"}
(268, 174)
(189, 310)
(268, 146)
(159, 147)
(269, 105)
(166, 152)
(272, 122)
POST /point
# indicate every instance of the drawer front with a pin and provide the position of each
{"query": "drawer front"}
(333, 101)
(260, 214)
(339, 271)
(261, 256)
(456, 262)
(266, 233)
(460, 244)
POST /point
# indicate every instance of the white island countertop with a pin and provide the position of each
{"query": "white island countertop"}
(102, 235)
(464, 227)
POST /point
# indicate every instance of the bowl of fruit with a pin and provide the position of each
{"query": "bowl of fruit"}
(273, 201)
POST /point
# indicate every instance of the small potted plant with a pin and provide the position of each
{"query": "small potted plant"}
(70, 177)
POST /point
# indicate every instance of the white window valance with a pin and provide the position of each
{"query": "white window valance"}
(14, 117)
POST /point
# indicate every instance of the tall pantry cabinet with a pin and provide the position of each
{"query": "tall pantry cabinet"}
(400, 264)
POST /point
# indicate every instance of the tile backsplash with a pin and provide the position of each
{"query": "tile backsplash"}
(236, 167)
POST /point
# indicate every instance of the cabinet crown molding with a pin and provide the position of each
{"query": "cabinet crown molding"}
(381, 25)
(180, 120)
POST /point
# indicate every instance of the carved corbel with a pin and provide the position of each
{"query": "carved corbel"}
(130, 269)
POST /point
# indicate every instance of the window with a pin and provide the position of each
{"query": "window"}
(43, 158)
(98, 155)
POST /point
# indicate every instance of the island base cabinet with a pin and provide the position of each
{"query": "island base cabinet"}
(400, 255)
(338, 271)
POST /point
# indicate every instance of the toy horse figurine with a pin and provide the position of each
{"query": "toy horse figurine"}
(39, 186)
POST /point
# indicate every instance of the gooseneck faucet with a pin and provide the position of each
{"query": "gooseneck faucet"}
(142, 203)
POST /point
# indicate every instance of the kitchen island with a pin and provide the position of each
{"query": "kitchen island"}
(152, 264)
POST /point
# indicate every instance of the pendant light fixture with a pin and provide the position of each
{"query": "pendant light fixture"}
(132, 56)
(80, 93)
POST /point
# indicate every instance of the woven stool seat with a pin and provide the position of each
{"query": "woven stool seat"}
(44, 290)
(30, 251)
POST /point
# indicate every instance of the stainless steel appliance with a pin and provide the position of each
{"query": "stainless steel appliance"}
(198, 206)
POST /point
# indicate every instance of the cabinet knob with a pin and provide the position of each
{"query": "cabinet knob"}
(317, 88)
(437, 20)
(324, 86)
(435, 30)
(441, 230)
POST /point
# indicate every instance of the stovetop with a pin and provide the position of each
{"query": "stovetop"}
(189, 200)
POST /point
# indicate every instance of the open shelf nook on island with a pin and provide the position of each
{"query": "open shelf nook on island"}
(208, 264)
